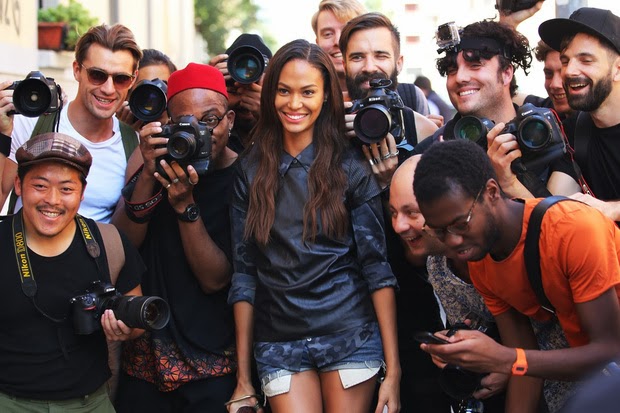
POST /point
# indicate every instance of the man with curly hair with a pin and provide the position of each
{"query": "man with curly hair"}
(480, 78)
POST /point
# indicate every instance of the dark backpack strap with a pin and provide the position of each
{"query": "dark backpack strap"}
(531, 252)
(411, 132)
(407, 93)
(130, 140)
(583, 133)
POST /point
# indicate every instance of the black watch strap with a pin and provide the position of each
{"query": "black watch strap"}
(191, 213)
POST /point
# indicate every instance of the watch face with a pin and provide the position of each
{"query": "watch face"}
(193, 212)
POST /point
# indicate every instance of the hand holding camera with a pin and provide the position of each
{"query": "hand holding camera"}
(6, 107)
(150, 313)
(36, 95)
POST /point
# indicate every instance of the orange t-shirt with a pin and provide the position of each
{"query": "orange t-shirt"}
(579, 261)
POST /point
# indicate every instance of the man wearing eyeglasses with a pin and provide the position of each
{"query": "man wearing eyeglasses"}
(105, 67)
(177, 214)
(464, 207)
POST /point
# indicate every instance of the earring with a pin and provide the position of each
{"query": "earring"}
(229, 132)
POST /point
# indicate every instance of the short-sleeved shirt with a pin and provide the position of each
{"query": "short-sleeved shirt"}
(580, 250)
(106, 177)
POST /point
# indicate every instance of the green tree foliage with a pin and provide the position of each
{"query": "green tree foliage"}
(215, 19)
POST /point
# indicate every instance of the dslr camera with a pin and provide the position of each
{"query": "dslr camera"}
(380, 112)
(189, 143)
(537, 130)
(514, 5)
(148, 99)
(35, 95)
(150, 313)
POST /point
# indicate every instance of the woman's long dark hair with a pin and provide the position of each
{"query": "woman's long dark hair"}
(327, 180)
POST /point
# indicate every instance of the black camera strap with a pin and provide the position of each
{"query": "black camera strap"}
(26, 273)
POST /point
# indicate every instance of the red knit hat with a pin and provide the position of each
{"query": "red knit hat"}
(196, 76)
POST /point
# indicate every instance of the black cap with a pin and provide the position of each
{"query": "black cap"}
(596, 22)
(253, 40)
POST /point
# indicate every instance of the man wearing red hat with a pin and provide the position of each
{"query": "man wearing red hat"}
(175, 208)
(589, 46)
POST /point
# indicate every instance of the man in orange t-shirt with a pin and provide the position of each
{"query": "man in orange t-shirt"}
(464, 207)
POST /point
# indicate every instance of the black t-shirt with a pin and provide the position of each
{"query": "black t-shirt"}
(602, 167)
(41, 359)
(200, 323)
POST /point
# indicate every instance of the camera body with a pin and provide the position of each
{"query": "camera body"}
(189, 143)
(539, 135)
(514, 5)
(246, 64)
(148, 99)
(35, 95)
(537, 130)
(380, 112)
(150, 313)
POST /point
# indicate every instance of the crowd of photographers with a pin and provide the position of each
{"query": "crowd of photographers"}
(497, 300)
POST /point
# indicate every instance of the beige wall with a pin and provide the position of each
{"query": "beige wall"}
(166, 25)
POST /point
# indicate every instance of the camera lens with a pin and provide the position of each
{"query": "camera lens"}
(148, 100)
(246, 64)
(534, 132)
(470, 127)
(150, 313)
(372, 123)
(32, 97)
(473, 129)
(182, 145)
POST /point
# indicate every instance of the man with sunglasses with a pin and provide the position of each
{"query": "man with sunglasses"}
(105, 67)
(479, 65)
(464, 206)
(179, 220)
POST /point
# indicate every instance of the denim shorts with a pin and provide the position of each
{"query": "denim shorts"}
(356, 353)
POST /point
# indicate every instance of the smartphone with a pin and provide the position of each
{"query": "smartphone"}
(429, 338)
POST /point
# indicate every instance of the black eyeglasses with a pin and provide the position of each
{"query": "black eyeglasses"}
(211, 121)
(99, 77)
(458, 228)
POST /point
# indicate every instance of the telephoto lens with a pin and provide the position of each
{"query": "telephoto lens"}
(149, 313)
(246, 64)
(148, 100)
(372, 123)
(473, 129)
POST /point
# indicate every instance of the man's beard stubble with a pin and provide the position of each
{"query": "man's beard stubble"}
(355, 89)
(599, 91)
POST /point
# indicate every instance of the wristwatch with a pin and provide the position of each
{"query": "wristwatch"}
(519, 368)
(191, 213)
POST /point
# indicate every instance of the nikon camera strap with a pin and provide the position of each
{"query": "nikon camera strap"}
(26, 274)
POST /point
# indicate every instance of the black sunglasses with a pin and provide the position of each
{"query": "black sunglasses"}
(99, 77)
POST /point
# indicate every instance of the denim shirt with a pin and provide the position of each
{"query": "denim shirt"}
(310, 288)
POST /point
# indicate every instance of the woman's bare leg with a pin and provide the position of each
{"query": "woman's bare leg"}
(303, 397)
(337, 399)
